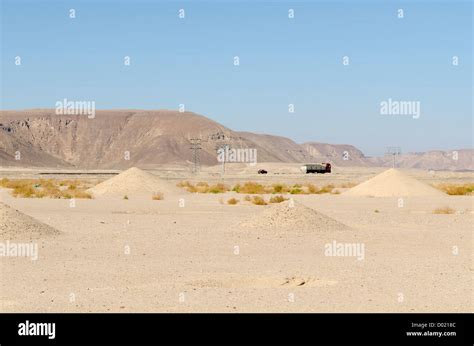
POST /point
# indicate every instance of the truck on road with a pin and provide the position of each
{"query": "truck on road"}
(316, 168)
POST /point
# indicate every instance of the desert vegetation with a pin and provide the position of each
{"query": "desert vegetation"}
(232, 201)
(277, 199)
(52, 188)
(253, 188)
(444, 210)
(203, 187)
(456, 189)
(157, 196)
(258, 200)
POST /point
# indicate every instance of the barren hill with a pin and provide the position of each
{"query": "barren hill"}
(339, 154)
(459, 160)
(126, 138)
(148, 137)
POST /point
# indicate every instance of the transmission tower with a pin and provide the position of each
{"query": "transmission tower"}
(222, 146)
(394, 151)
(195, 147)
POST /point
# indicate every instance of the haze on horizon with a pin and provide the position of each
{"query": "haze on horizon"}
(283, 61)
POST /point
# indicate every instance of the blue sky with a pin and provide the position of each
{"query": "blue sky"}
(299, 61)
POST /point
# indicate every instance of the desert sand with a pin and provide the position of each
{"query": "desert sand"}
(134, 182)
(393, 183)
(16, 225)
(194, 253)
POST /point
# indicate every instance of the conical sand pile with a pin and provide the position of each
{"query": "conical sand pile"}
(293, 216)
(393, 183)
(16, 225)
(134, 181)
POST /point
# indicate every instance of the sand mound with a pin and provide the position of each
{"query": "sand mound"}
(393, 183)
(14, 224)
(134, 181)
(295, 217)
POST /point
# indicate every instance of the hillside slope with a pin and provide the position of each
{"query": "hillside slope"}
(126, 138)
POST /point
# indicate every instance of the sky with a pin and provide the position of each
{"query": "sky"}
(282, 61)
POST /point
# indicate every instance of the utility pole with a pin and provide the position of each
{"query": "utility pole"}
(224, 147)
(195, 147)
(394, 151)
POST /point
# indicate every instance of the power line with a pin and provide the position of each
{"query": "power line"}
(195, 147)
(222, 146)
(394, 151)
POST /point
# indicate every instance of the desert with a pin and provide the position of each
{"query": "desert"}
(264, 172)
(196, 249)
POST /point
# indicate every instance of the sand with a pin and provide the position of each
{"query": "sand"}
(140, 255)
(132, 182)
(16, 225)
(293, 216)
(393, 183)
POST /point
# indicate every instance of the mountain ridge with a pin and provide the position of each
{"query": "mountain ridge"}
(154, 137)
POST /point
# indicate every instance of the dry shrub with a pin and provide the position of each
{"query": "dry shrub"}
(125, 197)
(187, 186)
(39, 188)
(157, 196)
(202, 187)
(258, 200)
(81, 195)
(326, 189)
(296, 191)
(444, 210)
(280, 188)
(232, 201)
(456, 189)
(252, 188)
(312, 188)
(218, 188)
(248, 198)
(277, 199)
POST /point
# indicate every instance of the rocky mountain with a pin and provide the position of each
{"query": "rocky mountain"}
(452, 160)
(338, 154)
(126, 138)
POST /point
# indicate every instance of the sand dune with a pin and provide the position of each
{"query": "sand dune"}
(393, 183)
(141, 255)
(134, 181)
(293, 216)
(16, 225)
